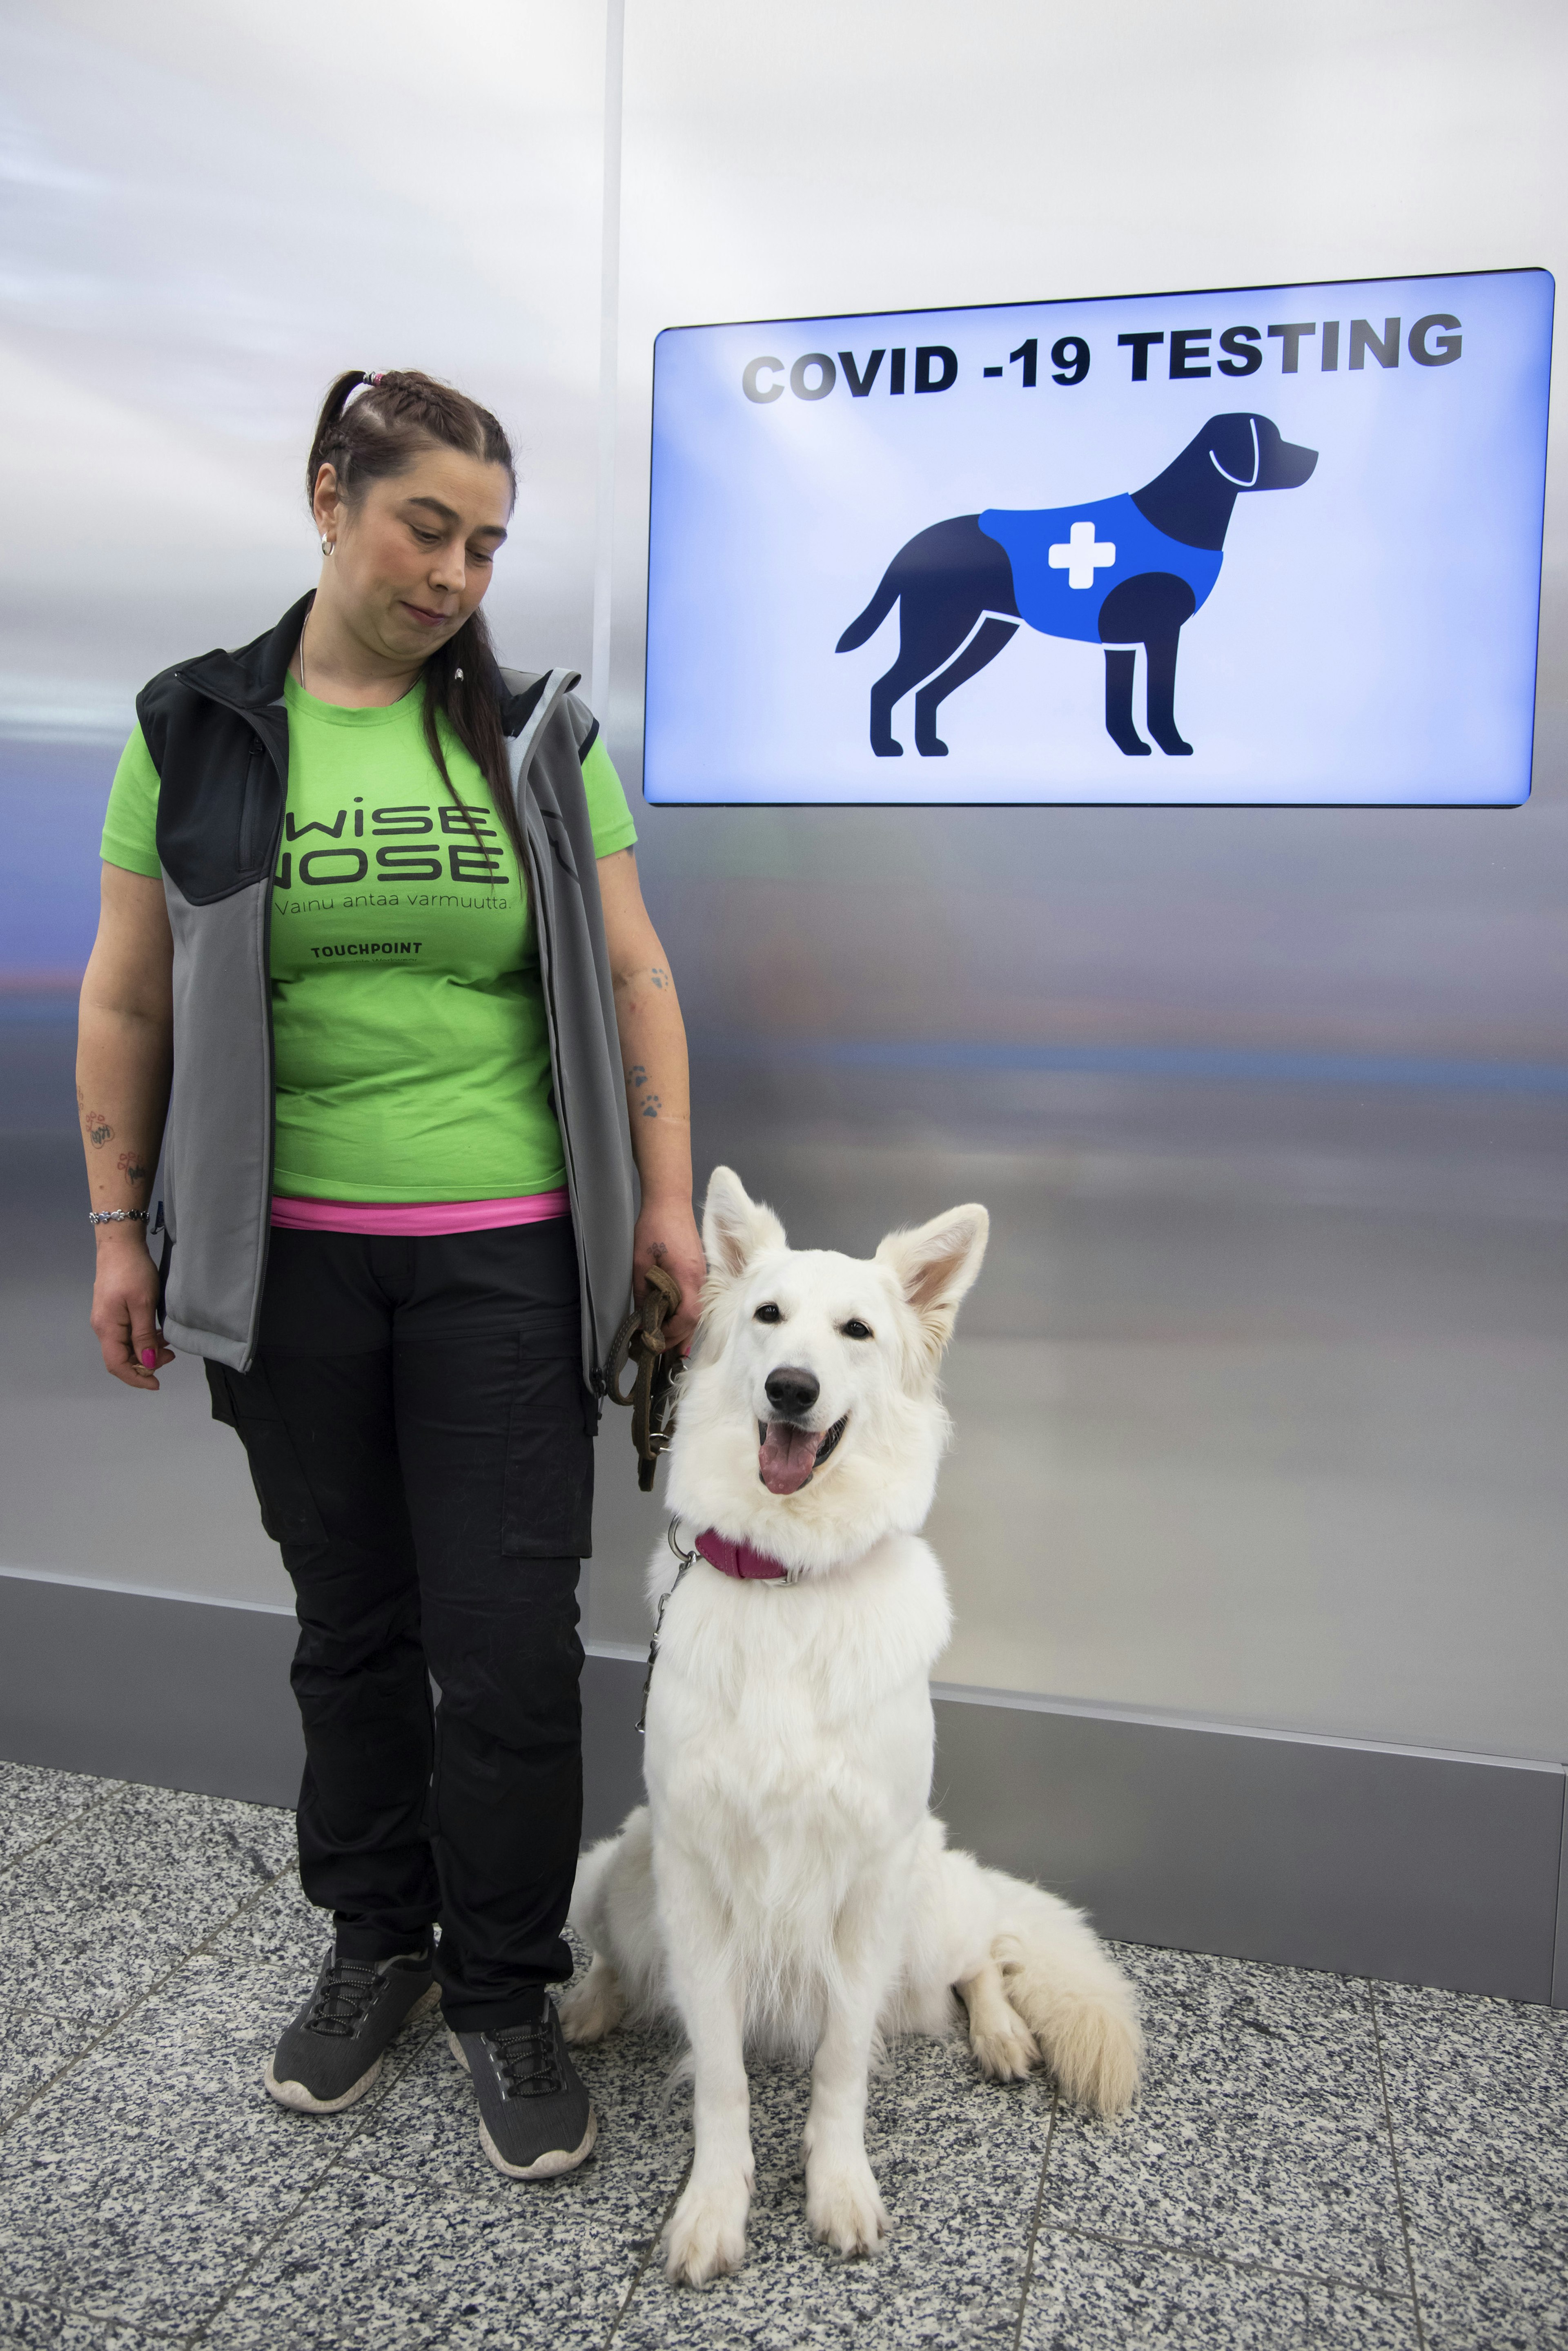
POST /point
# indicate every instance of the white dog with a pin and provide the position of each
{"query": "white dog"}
(785, 1883)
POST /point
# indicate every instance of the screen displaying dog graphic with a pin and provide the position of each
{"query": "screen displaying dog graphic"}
(1051, 477)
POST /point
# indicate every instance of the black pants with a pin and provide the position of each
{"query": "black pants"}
(420, 1441)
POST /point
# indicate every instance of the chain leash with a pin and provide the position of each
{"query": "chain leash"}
(686, 1558)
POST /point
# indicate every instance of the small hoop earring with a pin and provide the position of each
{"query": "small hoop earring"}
(326, 547)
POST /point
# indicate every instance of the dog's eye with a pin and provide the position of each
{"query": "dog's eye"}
(768, 1313)
(856, 1329)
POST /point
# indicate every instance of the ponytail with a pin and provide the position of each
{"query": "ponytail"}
(401, 414)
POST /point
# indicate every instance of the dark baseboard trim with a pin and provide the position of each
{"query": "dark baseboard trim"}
(135, 1685)
(1364, 1860)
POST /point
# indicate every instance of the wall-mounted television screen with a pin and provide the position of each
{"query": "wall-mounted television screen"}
(1278, 543)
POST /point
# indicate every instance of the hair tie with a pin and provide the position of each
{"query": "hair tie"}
(369, 378)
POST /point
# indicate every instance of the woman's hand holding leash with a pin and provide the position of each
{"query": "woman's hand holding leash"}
(667, 1236)
(656, 1365)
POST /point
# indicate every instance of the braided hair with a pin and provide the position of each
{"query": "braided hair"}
(398, 414)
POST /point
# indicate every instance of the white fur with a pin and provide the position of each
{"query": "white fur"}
(785, 1885)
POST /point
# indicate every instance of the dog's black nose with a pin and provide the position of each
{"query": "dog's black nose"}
(792, 1391)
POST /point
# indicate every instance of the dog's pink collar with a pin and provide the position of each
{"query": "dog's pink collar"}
(739, 1558)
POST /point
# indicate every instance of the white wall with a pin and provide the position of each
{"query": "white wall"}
(216, 209)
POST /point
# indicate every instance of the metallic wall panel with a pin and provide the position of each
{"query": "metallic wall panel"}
(1559, 1956)
(1259, 1401)
(199, 249)
(612, 1746)
(1411, 1867)
(176, 1693)
(144, 1490)
(1259, 1398)
(1422, 1869)
(1255, 1400)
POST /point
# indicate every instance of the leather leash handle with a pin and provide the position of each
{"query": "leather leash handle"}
(651, 1396)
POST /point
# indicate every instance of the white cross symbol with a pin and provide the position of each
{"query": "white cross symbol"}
(1079, 555)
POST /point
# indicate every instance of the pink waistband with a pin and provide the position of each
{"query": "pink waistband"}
(399, 1219)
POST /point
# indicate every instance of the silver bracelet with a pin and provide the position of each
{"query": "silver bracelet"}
(117, 1216)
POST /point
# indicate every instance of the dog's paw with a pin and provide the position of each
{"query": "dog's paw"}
(843, 2205)
(706, 2235)
(595, 2006)
(1008, 2052)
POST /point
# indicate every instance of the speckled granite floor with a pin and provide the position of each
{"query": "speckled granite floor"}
(1314, 2161)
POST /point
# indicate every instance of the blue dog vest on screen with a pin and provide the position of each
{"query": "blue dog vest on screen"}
(1067, 560)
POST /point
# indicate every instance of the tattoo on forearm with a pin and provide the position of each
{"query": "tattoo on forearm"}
(659, 976)
(131, 1168)
(99, 1130)
(649, 1105)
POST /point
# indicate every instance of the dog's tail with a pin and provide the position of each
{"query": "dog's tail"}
(1071, 1993)
(876, 612)
(1008, 1945)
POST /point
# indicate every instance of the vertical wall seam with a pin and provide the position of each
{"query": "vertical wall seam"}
(1559, 1924)
(609, 357)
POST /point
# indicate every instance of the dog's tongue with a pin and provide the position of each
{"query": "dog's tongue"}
(788, 1457)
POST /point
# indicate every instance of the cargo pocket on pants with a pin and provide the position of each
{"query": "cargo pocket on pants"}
(244, 1401)
(546, 1504)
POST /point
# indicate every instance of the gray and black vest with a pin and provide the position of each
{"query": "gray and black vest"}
(217, 729)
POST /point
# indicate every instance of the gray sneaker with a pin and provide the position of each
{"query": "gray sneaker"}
(331, 2051)
(535, 2116)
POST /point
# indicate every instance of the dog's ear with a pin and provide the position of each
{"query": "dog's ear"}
(935, 1265)
(735, 1228)
(1234, 449)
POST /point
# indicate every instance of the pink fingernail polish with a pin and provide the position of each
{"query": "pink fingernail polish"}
(148, 1357)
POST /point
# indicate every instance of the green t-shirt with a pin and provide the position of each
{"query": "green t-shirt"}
(411, 1056)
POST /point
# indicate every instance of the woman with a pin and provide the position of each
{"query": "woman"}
(371, 931)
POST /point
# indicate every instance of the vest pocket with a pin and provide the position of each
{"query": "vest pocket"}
(547, 1505)
(255, 812)
(244, 1401)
